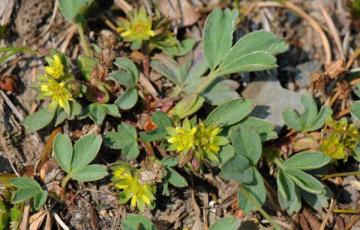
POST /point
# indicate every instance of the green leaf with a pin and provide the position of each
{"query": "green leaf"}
(238, 168)
(188, 106)
(61, 115)
(220, 92)
(217, 37)
(175, 179)
(253, 52)
(229, 113)
(317, 201)
(355, 110)
(74, 10)
(310, 114)
(97, 112)
(228, 223)
(197, 70)
(128, 99)
(28, 188)
(292, 119)
(63, 151)
(85, 151)
(23, 194)
(40, 199)
(288, 194)
(161, 119)
(308, 121)
(169, 161)
(305, 181)
(123, 77)
(112, 110)
(247, 142)
(257, 189)
(128, 65)
(322, 116)
(125, 139)
(181, 48)
(255, 61)
(258, 41)
(226, 153)
(86, 65)
(264, 128)
(90, 173)
(136, 222)
(168, 68)
(285, 185)
(25, 182)
(38, 120)
(307, 160)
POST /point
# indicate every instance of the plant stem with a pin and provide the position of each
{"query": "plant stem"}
(340, 174)
(65, 181)
(278, 162)
(205, 83)
(258, 207)
(83, 40)
(346, 211)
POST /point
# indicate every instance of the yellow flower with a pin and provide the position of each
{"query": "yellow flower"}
(208, 141)
(333, 147)
(59, 95)
(181, 138)
(138, 27)
(55, 68)
(341, 139)
(126, 179)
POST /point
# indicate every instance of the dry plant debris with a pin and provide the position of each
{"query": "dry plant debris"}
(179, 114)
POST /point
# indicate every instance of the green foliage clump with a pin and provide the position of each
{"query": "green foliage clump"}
(75, 160)
(310, 120)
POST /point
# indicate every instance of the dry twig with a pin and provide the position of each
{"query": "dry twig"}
(290, 6)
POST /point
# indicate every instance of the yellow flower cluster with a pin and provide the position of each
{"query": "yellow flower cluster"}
(138, 27)
(181, 138)
(205, 141)
(52, 84)
(341, 139)
(127, 179)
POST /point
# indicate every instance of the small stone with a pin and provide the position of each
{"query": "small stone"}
(271, 99)
(304, 71)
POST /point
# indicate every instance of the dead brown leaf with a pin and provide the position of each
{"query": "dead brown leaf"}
(181, 11)
(37, 219)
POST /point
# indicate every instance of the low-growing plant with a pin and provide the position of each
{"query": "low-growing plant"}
(310, 120)
(65, 92)
(133, 186)
(75, 160)
(341, 140)
(151, 32)
(206, 142)
(124, 139)
(253, 52)
(26, 189)
(294, 183)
